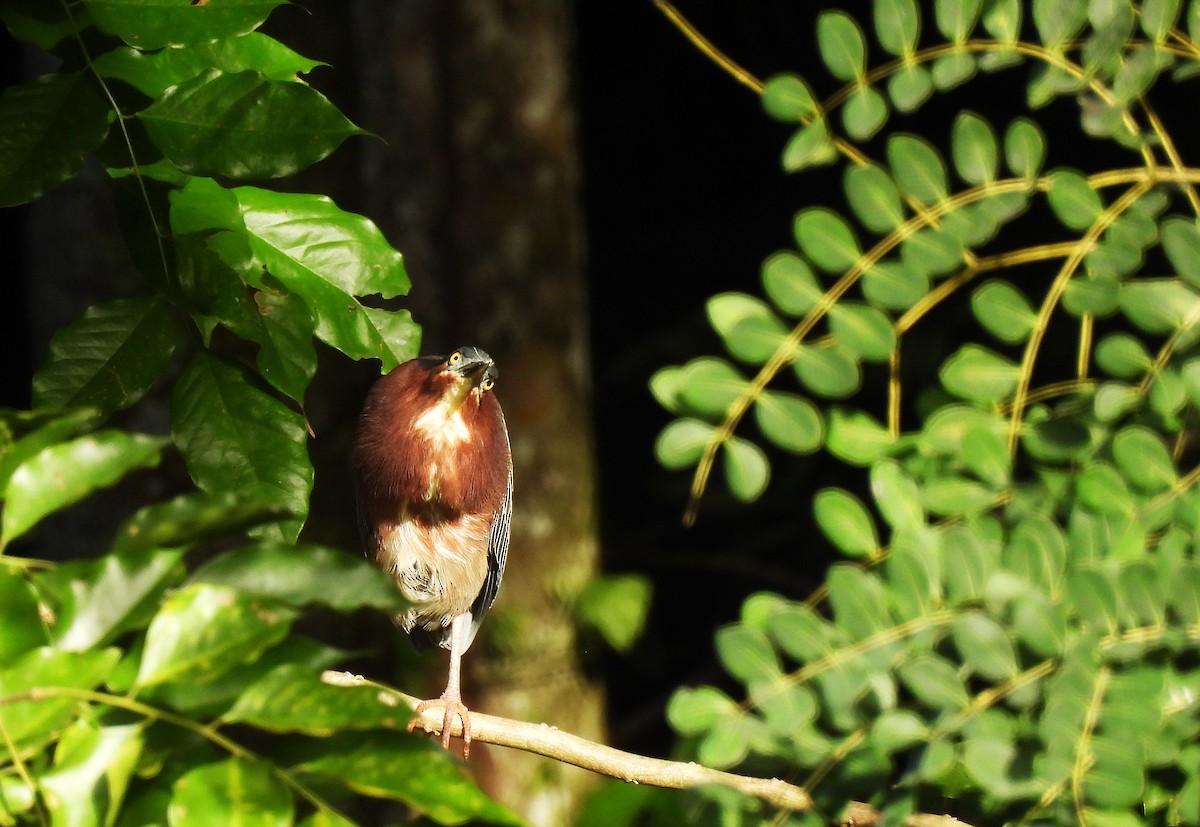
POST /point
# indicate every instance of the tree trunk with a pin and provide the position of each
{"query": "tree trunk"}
(478, 185)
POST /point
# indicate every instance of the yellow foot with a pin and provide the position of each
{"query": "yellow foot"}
(454, 708)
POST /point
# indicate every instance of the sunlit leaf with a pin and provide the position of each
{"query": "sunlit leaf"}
(809, 146)
(846, 522)
(63, 474)
(979, 375)
(894, 285)
(789, 421)
(827, 371)
(746, 654)
(616, 606)
(975, 150)
(790, 284)
(956, 18)
(874, 198)
(202, 630)
(1123, 356)
(984, 646)
(1024, 148)
(897, 23)
(953, 70)
(863, 330)
(841, 45)
(910, 87)
(234, 791)
(1181, 243)
(786, 97)
(1058, 21)
(1160, 305)
(1073, 201)
(750, 329)
(864, 113)
(693, 710)
(826, 239)
(747, 470)
(934, 681)
(855, 437)
(710, 385)
(917, 168)
(682, 442)
(92, 770)
(31, 722)
(1004, 311)
(177, 23)
(897, 496)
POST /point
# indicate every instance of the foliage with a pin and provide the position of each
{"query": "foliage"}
(122, 677)
(1013, 631)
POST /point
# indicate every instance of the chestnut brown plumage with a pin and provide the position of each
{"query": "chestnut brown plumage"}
(433, 473)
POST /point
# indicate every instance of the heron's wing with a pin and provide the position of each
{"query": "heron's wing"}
(497, 555)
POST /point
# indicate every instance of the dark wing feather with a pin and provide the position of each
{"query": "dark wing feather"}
(497, 556)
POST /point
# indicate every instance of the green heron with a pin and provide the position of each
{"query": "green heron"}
(433, 475)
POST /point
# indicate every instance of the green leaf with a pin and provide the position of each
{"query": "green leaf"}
(1040, 624)
(51, 428)
(986, 455)
(63, 474)
(1103, 490)
(286, 356)
(1091, 295)
(47, 127)
(177, 22)
(152, 73)
(898, 729)
(1094, 599)
(616, 606)
(897, 497)
(1181, 243)
(1160, 305)
(682, 442)
(108, 358)
(293, 698)
(934, 681)
(969, 563)
(874, 198)
(1143, 459)
(398, 766)
(840, 42)
(979, 375)
(858, 600)
(952, 495)
(1123, 356)
(42, 24)
(786, 97)
(202, 630)
(234, 791)
(856, 437)
(1073, 201)
(189, 519)
(31, 723)
(826, 239)
(789, 421)
(953, 69)
(92, 770)
(864, 113)
(1004, 311)
(789, 283)
(747, 470)
(917, 168)
(1058, 21)
(275, 129)
(827, 371)
(302, 575)
(809, 146)
(984, 647)
(750, 329)
(20, 626)
(974, 149)
(693, 710)
(897, 24)
(710, 385)
(956, 18)
(863, 330)
(1157, 18)
(910, 87)
(235, 436)
(113, 594)
(846, 522)
(894, 285)
(746, 654)
(1024, 148)
(931, 251)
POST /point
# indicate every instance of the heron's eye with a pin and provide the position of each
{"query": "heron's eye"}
(455, 358)
(487, 384)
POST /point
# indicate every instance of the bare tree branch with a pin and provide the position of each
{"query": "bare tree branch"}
(546, 740)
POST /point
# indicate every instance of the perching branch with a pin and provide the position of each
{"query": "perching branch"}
(543, 739)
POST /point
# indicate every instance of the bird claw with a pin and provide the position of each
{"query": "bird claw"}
(454, 708)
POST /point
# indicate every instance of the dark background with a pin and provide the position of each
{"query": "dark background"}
(683, 197)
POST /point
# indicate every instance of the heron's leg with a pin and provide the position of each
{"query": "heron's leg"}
(451, 700)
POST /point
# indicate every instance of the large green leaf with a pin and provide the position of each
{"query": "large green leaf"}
(49, 428)
(92, 770)
(189, 519)
(404, 768)
(108, 358)
(36, 721)
(234, 791)
(47, 127)
(294, 698)
(302, 575)
(63, 474)
(20, 626)
(235, 436)
(152, 73)
(112, 594)
(152, 24)
(244, 125)
(203, 630)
